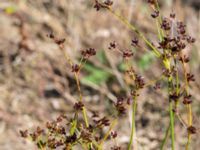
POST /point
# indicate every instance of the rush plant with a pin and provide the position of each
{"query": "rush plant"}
(86, 132)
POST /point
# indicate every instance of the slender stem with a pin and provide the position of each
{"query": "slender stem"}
(189, 108)
(165, 138)
(81, 99)
(110, 129)
(172, 125)
(134, 29)
(171, 114)
(133, 123)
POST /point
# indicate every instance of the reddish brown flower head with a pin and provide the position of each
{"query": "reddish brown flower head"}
(97, 5)
(108, 2)
(172, 15)
(24, 133)
(192, 130)
(127, 54)
(187, 99)
(190, 77)
(166, 24)
(60, 41)
(113, 134)
(134, 42)
(88, 52)
(190, 39)
(78, 106)
(184, 59)
(155, 14)
(75, 68)
(152, 2)
(112, 45)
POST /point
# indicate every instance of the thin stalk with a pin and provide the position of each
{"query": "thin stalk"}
(81, 99)
(165, 138)
(172, 125)
(78, 87)
(171, 114)
(77, 82)
(134, 105)
(189, 107)
(134, 29)
(158, 22)
(108, 133)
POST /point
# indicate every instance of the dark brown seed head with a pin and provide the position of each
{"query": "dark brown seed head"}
(24, 133)
(166, 24)
(113, 134)
(108, 2)
(190, 39)
(172, 15)
(134, 42)
(190, 77)
(59, 41)
(184, 59)
(192, 130)
(155, 14)
(187, 99)
(75, 68)
(139, 81)
(112, 45)
(181, 28)
(88, 52)
(127, 54)
(78, 106)
(97, 5)
(51, 35)
(152, 2)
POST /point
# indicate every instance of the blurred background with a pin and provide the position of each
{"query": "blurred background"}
(36, 83)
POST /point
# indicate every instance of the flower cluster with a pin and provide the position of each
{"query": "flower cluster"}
(88, 52)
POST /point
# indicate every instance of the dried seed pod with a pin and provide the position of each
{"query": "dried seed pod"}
(108, 2)
(166, 24)
(127, 54)
(113, 134)
(152, 2)
(75, 68)
(155, 14)
(97, 5)
(184, 59)
(190, 77)
(88, 52)
(190, 39)
(78, 106)
(187, 99)
(112, 45)
(24, 133)
(172, 15)
(134, 42)
(59, 41)
(192, 130)
(120, 106)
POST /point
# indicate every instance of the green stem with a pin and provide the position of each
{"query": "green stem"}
(172, 125)
(165, 138)
(133, 123)
(171, 114)
(134, 29)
